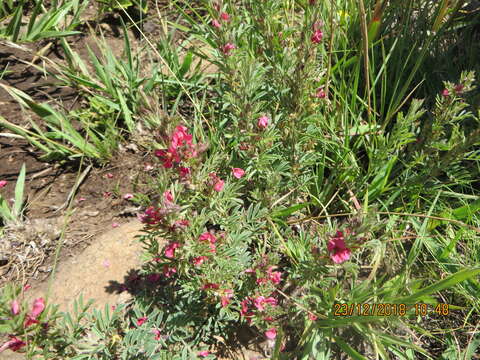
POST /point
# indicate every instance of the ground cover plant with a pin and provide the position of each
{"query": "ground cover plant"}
(314, 187)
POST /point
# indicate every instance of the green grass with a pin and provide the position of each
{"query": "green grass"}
(389, 156)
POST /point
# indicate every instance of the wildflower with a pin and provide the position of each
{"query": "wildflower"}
(261, 281)
(181, 137)
(206, 236)
(180, 224)
(219, 185)
(312, 316)
(3, 183)
(274, 276)
(224, 16)
(227, 48)
(30, 320)
(141, 321)
(109, 175)
(107, 194)
(150, 216)
(115, 225)
(271, 333)
(199, 260)
(168, 157)
(26, 287)
(258, 303)
(213, 286)
(203, 353)
(263, 122)
(167, 196)
(156, 332)
(13, 344)
(184, 172)
(80, 199)
(38, 307)
(320, 94)
(238, 172)
(225, 299)
(216, 23)
(168, 271)
(128, 196)
(15, 307)
(445, 93)
(317, 36)
(106, 263)
(170, 249)
(336, 246)
(458, 89)
(311, 2)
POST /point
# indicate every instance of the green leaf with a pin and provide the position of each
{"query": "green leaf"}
(450, 281)
(290, 210)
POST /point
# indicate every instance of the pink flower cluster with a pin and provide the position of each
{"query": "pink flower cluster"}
(317, 35)
(274, 276)
(38, 306)
(223, 17)
(339, 252)
(210, 239)
(180, 148)
(250, 306)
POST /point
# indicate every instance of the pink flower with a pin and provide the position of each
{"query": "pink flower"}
(115, 225)
(38, 307)
(106, 263)
(184, 171)
(181, 137)
(336, 246)
(15, 307)
(227, 48)
(258, 303)
(13, 344)
(219, 185)
(156, 332)
(224, 16)
(320, 94)
(225, 299)
(150, 216)
(128, 196)
(3, 183)
(312, 316)
(170, 249)
(141, 321)
(26, 287)
(30, 320)
(203, 353)
(80, 199)
(271, 333)
(199, 260)
(317, 36)
(206, 236)
(107, 194)
(445, 93)
(213, 286)
(109, 175)
(216, 23)
(167, 196)
(274, 276)
(168, 271)
(238, 173)
(263, 122)
(180, 224)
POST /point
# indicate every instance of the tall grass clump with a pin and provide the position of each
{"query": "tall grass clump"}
(312, 189)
